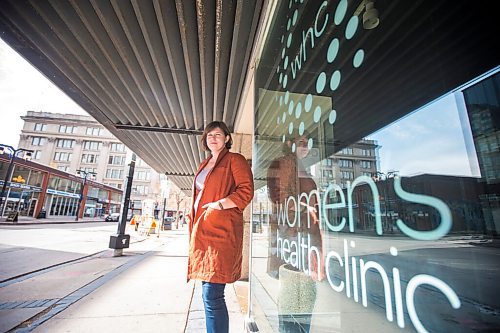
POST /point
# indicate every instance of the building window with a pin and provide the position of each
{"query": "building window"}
(37, 155)
(366, 164)
(65, 143)
(40, 127)
(62, 156)
(328, 174)
(38, 141)
(366, 152)
(64, 168)
(92, 145)
(347, 151)
(89, 158)
(86, 169)
(116, 160)
(347, 174)
(67, 129)
(114, 173)
(140, 189)
(328, 162)
(96, 131)
(117, 147)
(345, 163)
(142, 175)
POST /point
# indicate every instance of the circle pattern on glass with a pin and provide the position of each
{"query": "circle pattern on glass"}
(335, 80)
(359, 56)
(333, 50)
(308, 102)
(320, 83)
(332, 117)
(298, 110)
(351, 28)
(340, 12)
(317, 114)
(295, 14)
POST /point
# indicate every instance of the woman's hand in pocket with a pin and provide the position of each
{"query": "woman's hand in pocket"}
(214, 205)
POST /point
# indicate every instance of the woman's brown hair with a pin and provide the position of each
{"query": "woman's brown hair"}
(209, 128)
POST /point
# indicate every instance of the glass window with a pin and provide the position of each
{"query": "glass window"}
(89, 158)
(93, 131)
(142, 175)
(345, 163)
(65, 143)
(117, 147)
(62, 156)
(92, 145)
(400, 236)
(116, 160)
(38, 141)
(40, 127)
(365, 164)
(67, 129)
(63, 168)
(114, 173)
(37, 155)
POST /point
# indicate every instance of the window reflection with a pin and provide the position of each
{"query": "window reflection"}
(375, 209)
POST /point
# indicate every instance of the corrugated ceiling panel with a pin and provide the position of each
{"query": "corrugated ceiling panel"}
(153, 72)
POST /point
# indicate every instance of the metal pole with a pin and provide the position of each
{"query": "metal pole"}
(126, 199)
(121, 241)
(160, 224)
(7, 177)
(80, 199)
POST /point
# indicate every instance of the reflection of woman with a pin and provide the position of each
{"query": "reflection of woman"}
(222, 189)
(287, 177)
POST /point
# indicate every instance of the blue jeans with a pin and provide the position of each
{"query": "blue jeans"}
(216, 316)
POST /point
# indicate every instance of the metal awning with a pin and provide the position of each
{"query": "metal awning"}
(153, 72)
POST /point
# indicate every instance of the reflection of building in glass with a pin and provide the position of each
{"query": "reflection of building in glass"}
(359, 159)
(460, 194)
(483, 107)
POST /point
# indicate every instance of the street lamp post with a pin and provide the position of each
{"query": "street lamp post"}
(84, 174)
(8, 176)
(387, 205)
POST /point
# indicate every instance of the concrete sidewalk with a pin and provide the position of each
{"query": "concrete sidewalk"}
(147, 292)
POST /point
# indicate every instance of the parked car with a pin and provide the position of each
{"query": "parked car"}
(167, 222)
(113, 217)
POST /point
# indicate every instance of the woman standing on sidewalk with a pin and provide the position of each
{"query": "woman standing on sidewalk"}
(222, 188)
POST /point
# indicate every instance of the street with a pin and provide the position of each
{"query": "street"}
(42, 264)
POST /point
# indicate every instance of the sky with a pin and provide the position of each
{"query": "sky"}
(23, 88)
(430, 140)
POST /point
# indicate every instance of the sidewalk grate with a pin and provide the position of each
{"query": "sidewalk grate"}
(28, 304)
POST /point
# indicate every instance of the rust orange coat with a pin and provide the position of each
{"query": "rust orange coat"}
(216, 236)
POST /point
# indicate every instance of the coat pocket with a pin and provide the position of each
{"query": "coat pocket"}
(217, 225)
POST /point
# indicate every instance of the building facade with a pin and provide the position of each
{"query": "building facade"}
(76, 142)
(39, 191)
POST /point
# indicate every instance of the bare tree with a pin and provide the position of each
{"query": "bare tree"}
(179, 197)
